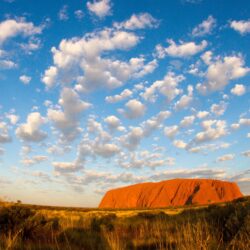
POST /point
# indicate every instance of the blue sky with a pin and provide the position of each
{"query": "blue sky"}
(101, 94)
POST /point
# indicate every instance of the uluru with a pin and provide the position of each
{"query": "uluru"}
(176, 192)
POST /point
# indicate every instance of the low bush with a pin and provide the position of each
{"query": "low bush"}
(106, 221)
(19, 224)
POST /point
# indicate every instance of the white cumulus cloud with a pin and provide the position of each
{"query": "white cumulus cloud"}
(213, 129)
(246, 153)
(11, 28)
(221, 71)
(4, 133)
(126, 93)
(205, 27)
(227, 157)
(30, 131)
(139, 21)
(179, 144)
(80, 60)
(25, 79)
(67, 120)
(184, 49)
(219, 109)
(100, 8)
(167, 87)
(242, 26)
(134, 109)
(113, 122)
(238, 89)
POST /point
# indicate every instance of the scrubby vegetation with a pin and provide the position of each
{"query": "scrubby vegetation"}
(222, 226)
(20, 225)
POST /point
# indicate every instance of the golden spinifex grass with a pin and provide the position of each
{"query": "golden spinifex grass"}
(222, 226)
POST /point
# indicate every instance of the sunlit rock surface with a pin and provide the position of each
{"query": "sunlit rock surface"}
(177, 192)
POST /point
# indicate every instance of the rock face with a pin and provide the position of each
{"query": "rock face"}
(177, 192)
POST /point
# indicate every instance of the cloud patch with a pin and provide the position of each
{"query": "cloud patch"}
(184, 49)
(11, 28)
(138, 21)
(100, 8)
(221, 71)
(205, 27)
(30, 131)
(242, 26)
(67, 119)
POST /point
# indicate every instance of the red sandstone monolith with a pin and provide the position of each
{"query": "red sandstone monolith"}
(177, 192)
